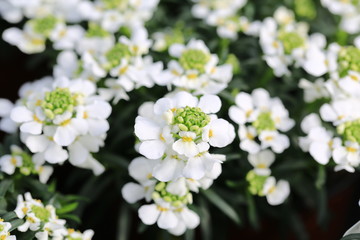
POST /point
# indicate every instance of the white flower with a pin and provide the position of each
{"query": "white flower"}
(5, 230)
(276, 193)
(313, 91)
(64, 114)
(347, 157)
(277, 142)
(195, 69)
(262, 161)
(340, 111)
(6, 124)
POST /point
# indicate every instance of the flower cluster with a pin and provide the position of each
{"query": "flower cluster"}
(260, 119)
(224, 15)
(120, 63)
(48, 20)
(349, 12)
(170, 199)
(18, 159)
(44, 221)
(286, 42)
(114, 14)
(175, 135)
(195, 69)
(260, 181)
(4, 230)
(63, 113)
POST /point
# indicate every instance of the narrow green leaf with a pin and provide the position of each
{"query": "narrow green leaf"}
(205, 223)
(124, 223)
(321, 177)
(222, 205)
(16, 223)
(9, 216)
(4, 186)
(67, 208)
(252, 212)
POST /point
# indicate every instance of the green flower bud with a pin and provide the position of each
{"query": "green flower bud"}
(256, 183)
(264, 122)
(348, 60)
(305, 8)
(96, 31)
(115, 4)
(44, 25)
(350, 131)
(291, 41)
(42, 213)
(194, 59)
(234, 62)
(190, 118)
(160, 186)
(117, 53)
(57, 102)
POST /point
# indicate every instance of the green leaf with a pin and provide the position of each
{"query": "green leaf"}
(321, 177)
(205, 223)
(124, 221)
(71, 217)
(4, 186)
(222, 205)
(67, 208)
(9, 216)
(252, 212)
(16, 223)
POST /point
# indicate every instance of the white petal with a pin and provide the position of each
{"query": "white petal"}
(99, 110)
(237, 115)
(77, 153)
(168, 169)
(31, 127)
(37, 143)
(5, 107)
(149, 214)
(98, 127)
(132, 192)
(21, 114)
(55, 154)
(210, 103)
(152, 149)
(64, 136)
(320, 151)
(146, 129)
(194, 168)
(190, 218)
(167, 220)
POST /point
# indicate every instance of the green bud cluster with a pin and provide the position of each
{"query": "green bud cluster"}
(41, 213)
(115, 4)
(194, 59)
(118, 52)
(234, 62)
(173, 37)
(44, 25)
(264, 122)
(348, 60)
(175, 200)
(291, 41)
(355, 2)
(350, 131)
(58, 101)
(305, 8)
(256, 183)
(28, 166)
(2, 228)
(95, 30)
(190, 119)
